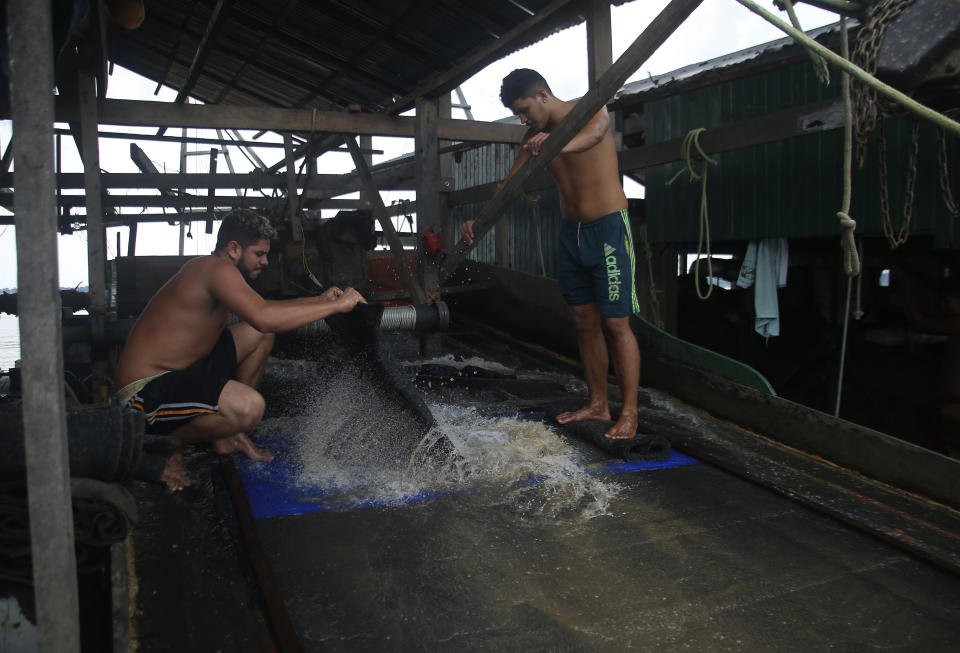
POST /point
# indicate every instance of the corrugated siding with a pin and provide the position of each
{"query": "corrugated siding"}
(790, 188)
(491, 163)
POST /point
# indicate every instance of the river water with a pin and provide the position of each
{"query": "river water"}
(9, 340)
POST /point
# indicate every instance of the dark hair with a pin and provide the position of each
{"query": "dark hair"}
(522, 82)
(244, 226)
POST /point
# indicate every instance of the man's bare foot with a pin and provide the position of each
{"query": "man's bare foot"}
(173, 473)
(624, 429)
(590, 411)
(242, 444)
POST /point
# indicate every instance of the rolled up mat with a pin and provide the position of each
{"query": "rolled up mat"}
(640, 447)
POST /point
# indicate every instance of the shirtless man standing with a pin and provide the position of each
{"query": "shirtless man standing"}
(596, 262)
(193, 378)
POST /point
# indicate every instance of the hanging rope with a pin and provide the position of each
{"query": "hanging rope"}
(691, 141)
(851, 259)
(819, 63)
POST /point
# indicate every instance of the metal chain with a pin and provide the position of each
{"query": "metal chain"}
(869, 41)
(903, 233)
(945, 189)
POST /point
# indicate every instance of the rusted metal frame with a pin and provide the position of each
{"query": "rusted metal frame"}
(387, 34)
(217, 18)
(599, 38)
(52, 549)
(452, 77)
(659, 29)
(264, 38)
(380, 213)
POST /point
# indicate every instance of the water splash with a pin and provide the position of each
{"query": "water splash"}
(504, 461)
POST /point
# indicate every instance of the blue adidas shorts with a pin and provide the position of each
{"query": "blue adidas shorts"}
(595, 264)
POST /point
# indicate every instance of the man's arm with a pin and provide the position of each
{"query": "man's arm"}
(228, 286)
(588, 137)
(466, 229)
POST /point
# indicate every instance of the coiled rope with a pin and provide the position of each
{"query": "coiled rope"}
(691, 141)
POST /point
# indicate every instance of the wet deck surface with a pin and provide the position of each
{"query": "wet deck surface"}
(523, 540)
(689, 557)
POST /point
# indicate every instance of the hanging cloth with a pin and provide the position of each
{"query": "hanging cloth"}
(765, 266)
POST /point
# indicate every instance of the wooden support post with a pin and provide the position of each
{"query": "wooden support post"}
(211, 192)
(380, 213)
(293, 200)
(366, 146)
(183, 169)
(96, 235)
(41, 344)
(595, 98)
(446, 176)
(599, 38)
(427, 164)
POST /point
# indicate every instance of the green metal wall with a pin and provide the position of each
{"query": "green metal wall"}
(790, 188)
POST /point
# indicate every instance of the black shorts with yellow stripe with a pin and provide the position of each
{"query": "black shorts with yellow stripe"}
(173, 399)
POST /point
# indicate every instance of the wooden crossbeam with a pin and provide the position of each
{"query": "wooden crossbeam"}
(148, 114)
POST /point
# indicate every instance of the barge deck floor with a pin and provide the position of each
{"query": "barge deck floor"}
(674, 555)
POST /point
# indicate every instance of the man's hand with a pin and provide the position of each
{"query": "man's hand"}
(535, 142)
(348, 300)
(331, 293)
(466, 231)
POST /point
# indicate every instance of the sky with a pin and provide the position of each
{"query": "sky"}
(716, 28)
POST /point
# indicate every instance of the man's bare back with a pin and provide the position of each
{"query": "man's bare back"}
(179, 325)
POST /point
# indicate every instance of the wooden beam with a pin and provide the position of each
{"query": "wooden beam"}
(217, 17)
(796, 121)
(52, 547)
(427, 164)
(96, 240)
(599, 38)
(452, 77)
(380, 213)
(293, 201)
(182, 201)
(211, 193)
(595, 98)
(140, 113)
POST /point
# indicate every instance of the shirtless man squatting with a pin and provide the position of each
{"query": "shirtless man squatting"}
(192, 377)
(595, 260)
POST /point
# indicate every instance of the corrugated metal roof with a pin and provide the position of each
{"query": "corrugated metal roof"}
(291, 53)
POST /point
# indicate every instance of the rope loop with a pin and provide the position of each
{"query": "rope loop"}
(691, 141)
(851, 258)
